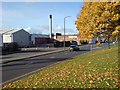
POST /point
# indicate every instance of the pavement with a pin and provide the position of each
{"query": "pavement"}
(28, 53)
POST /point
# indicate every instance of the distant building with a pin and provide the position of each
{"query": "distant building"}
(56, 35)
(42, 40)
(21, 37)
(90, 41)
(1, 40)
(67, 38)
(1, 36)
(39, 38)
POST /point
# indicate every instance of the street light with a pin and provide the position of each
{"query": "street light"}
(64, 30)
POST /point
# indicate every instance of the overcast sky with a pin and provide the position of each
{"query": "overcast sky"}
(34, 16)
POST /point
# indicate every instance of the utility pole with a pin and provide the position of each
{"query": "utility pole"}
(64, 31)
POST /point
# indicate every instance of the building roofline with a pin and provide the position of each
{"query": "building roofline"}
(13, 31)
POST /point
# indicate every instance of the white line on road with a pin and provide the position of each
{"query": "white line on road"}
(96, 47)
(52, 57)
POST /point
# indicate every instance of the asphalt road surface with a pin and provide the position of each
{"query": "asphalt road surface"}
(16, 70)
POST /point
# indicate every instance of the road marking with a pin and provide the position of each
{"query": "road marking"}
(96, 47)
(52, 57)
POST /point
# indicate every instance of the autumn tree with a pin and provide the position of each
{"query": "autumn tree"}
(98, 18)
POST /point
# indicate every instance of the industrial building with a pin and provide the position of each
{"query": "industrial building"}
(59, 40)
(37, 39)
(1, 36)
(21, 37)
(67, 38)
(1, 40)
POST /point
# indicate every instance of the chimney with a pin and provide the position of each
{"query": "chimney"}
(50, 26)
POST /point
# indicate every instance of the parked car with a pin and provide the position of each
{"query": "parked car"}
(74, 48)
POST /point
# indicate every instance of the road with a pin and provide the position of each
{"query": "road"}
(25, 53)
(19, 69)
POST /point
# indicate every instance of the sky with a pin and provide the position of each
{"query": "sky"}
(34, 16)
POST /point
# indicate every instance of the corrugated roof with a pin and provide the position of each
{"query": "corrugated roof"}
(11, 31)
(39, 35)
(3, 31)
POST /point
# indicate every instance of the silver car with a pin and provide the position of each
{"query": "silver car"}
(74, 48)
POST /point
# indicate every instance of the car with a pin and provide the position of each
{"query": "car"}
(74, 48)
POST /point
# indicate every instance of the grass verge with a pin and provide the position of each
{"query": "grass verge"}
(98, 69)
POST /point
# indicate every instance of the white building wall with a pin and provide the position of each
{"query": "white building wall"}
(1, 40)
(7, 38)
(22, 38)
(93, 40)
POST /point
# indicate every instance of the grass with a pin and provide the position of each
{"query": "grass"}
(98, 69)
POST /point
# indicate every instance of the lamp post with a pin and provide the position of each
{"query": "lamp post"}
(64, 30)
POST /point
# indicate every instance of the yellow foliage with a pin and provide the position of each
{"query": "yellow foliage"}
(115, 32)
(118, 28)
(98, 44)
(95, 16)
(116, 17)
(106, 14)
